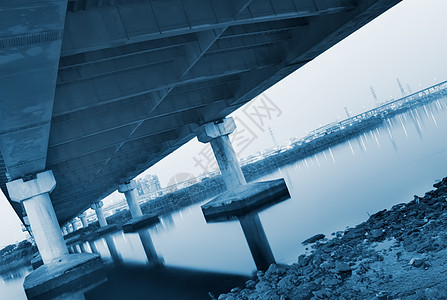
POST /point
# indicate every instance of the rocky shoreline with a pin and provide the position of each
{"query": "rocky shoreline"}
(396, 254)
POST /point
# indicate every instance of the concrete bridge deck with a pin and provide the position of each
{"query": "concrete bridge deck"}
(99, 91)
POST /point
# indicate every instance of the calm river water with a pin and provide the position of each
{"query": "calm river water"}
(330, 191)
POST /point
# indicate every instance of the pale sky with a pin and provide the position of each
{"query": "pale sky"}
(408, 42)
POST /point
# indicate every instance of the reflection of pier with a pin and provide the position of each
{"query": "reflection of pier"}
(257, 241)
(116, 258)
(152, 257)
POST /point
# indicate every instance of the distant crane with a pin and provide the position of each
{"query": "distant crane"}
(402, 91)
(409, 89)
(273, 138)
(347, 112)
(374, 95)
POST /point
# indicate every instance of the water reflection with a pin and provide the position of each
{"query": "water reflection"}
(82, 247)
(326, 197)
(93, 248)
(15, 274)
(139, 282)
(112, 249)
(257, 241)
(153, 259)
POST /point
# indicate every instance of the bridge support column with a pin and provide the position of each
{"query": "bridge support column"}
(217, 133)
(130, 192)
(83, 217)
(64, 230)
(73, 225)
(35, 196)
(97, 206)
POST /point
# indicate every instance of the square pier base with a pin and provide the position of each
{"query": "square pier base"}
(251, 197)
(141, 222)
(74, 272)
(107, 229)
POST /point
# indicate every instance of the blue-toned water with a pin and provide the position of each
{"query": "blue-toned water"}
(334, 189)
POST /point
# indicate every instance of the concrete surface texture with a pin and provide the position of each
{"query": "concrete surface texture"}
(98, 91)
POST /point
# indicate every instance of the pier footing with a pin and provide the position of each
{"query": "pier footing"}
(140, 222)
(107, 229)
(247, 198)
(70, 272)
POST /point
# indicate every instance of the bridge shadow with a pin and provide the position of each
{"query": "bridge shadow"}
(163, 282)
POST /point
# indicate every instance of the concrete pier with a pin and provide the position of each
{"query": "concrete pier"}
(255, 196)
(138, 219)
(34, 194)
(97, 206)
(59, 269)
(83, 217)
(73, 225)
(130, 192)
(217, 133)
(257, 241)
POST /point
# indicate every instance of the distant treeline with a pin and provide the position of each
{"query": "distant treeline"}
(15, 255)
(211, 187)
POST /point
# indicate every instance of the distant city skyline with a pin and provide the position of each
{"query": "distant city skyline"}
(406, 43)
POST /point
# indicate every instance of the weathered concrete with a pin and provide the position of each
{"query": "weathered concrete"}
(217, 133)
(107, 229)
(64, 230)
(129, 190)
(97, 206)
(84, 221)
(124, 90)
(36, 261)
(73, 225)
(34, 195)
(58, 277)
(252, 197)
(140, 222)
(257, 241)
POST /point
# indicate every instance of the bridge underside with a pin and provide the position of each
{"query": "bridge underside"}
(99, 91)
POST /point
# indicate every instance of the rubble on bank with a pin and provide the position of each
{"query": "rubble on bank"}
(396, 254)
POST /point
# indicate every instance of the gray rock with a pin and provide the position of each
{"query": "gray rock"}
(274, 270)
(250, 284)
(321, 294)
(327, 265)
(332, 281)
(417, 262)
(341, 266)
(376, 233)
(313, 239)
(382, 295)
(287, 282)
(303, 260)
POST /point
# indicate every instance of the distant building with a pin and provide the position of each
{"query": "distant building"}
(148, 185)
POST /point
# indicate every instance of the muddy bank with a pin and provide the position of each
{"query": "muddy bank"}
(396, 254)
